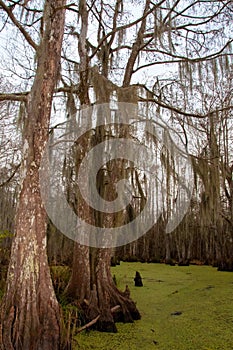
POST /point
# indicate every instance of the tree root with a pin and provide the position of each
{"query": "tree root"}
(91, 323)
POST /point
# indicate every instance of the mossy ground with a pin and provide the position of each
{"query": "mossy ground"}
(203, 295)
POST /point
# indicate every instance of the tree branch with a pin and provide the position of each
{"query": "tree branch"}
(123, 27)
(18, 96)
(195, 59)
(26, 35)
(88, 325)
(22, 96)
(177, 110)
(11, 176)
(136, 48)
(181, 59)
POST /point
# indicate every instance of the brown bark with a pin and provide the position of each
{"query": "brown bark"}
(79, 284)
(30, 314)
(83, 85)
(91, 281)
(109, 296)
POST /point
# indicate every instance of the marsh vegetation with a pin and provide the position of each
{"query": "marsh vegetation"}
(185, 308)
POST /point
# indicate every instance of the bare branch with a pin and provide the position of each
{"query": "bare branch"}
(125, 27)
(180, 59)
(21, 96)
(157, 101)
(11, 176)
(196, 59)
(26, 35)
(136, 48)
(88, 325)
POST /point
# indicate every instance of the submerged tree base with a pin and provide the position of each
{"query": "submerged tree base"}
(103, 310)
(115, 307)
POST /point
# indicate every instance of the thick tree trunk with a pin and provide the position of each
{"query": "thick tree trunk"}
(97, 296)
(109, 296)
(30, 314)
(91, 281)
(79, 284)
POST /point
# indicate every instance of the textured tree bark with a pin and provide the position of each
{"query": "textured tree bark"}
(79, 284)
(30, 314)
(109, 296)
(91, 281)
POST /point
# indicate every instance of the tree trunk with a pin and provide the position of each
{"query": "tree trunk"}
(109, 296)
(79, 284)
(30, 314)
(91, 281)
